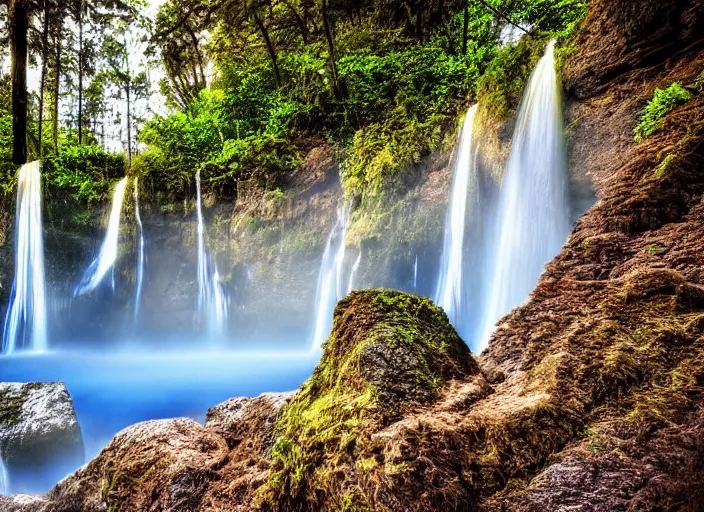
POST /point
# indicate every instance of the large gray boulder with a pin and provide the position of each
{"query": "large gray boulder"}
(40, 438)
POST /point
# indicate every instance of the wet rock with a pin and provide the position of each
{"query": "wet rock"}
(22, 503)
(39, 431)
(233, 419)
(171, 462)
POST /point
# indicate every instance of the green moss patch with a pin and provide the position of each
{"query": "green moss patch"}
(388, 353)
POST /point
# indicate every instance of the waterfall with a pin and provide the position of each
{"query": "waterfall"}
(353, 272)
(330, 279)
(105, 261)
(415, 274)
(449, 293)
(4, 479)
(212, 302)
(140, 252)
(533, 215)
(25, 323)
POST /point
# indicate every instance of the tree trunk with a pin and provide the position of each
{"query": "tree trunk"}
(42, 80)
(57, 88)
(465, 29)
(269, 47)
(80, 73)
(201, 60)
(18, 24)
(331, 50)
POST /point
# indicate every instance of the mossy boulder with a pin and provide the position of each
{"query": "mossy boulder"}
(389, 354)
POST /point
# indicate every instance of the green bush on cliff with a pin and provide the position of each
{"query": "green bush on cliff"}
(84, 172)
(663, 102)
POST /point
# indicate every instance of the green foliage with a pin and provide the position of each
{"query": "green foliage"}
(266, 159)
(85, 173)
(663, 102)
(398, 95)
(500, 87)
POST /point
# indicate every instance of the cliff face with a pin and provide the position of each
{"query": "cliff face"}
(589, 396)
(268, 248)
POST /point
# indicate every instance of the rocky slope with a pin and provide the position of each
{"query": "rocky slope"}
(589, 396)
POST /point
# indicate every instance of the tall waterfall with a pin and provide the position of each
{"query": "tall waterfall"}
(331, 282)
(4, 479)
(533, 215)
(449, 293)
(25, 323)
(105, 261)
(140, 252)
(212, 302)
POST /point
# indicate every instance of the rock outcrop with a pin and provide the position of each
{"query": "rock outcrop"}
(39, 431)
(177, 465)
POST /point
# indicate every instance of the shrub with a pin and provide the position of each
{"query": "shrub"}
(84, 172)
(663, 102)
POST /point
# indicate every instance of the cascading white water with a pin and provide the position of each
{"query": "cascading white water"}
(330, 279)
(353, 273)
(449, 293)
(140, 252)
(533, 215)
(25, 323)
(105, 261)
(4, 479)
(212, 302)
(415, 274)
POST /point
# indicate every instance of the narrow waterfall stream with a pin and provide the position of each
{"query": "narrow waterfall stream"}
(212, 307)
(351, 284)
(449, 293)
(533, 215)
(105, 261)
(331, 284)
(415, 274)
(140, 253)
(4, 479)
(26, 322)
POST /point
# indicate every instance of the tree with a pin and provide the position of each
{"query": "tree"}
(132, 85)
(182, 56)
(18, 21)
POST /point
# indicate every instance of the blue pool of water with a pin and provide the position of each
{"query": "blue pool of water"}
(114, 390)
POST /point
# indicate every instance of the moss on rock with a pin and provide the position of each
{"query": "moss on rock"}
(388, 353)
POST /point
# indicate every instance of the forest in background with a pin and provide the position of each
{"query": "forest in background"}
(251, 85)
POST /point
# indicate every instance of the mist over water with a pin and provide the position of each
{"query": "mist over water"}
(533, 211)
(105, 262)
(26, 322)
